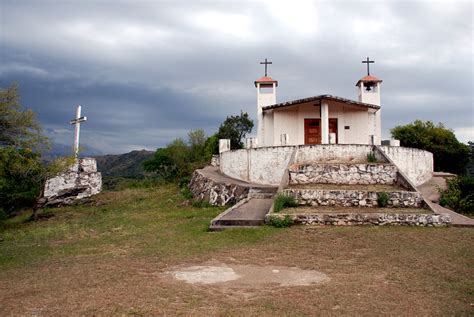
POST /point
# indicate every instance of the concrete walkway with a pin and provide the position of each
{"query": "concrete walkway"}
(430, 192)
(250, 212)
(213, 173)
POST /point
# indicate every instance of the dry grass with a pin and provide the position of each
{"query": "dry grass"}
(106, 259)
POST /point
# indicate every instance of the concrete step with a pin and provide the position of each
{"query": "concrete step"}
(358, 196)
(250, 212)
(354, 216)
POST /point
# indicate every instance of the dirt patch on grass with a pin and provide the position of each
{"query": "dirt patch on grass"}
(246, 275)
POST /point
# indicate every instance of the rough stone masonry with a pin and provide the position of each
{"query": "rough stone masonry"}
(80, 181)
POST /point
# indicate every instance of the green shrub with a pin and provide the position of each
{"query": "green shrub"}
(459, 195)
(371, 157)
(382, 199)
(284, 201)
(279, 222)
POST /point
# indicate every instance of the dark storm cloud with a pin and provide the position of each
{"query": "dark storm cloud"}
(147, 72)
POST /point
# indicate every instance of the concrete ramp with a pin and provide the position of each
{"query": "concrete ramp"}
(250, 212)
(430, 192)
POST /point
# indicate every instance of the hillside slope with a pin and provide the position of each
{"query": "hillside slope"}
(123, 165)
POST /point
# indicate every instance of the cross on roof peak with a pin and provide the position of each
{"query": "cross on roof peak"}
(368, 62)
(266, 63)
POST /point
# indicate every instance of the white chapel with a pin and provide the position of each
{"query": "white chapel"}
(322, 119)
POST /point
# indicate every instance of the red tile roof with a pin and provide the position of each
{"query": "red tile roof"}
(369, 78)
(266, 80)
(321, 98)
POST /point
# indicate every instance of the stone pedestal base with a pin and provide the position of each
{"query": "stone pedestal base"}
(80, 181)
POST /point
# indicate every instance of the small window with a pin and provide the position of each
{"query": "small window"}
(267, 89)
(347, 127)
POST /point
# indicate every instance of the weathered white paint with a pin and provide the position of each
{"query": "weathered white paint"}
(372, 96)
(291, 121)
(266, 165)
(357, 121)
(284, 139)
(265, 97)
(261, 165)
(416, 164)
(251, 143)
(324, 123)
(77, 129)
(82, 177)
(224, 145)
(330, 152)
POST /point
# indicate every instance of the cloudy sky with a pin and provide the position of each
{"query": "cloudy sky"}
(147, 72)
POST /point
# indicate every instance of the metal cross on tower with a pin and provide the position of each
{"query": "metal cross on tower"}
(368, 62)
(77, 122)
(266, 63)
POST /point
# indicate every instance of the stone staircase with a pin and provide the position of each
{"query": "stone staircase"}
(348, 193)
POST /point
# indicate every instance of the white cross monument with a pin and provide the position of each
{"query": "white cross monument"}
(77, 121)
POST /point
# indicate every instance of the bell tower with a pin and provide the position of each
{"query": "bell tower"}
(368, 87)
(266, 95)
(368, 91)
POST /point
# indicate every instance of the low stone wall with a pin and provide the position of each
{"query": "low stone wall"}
(348, 219)
(353, 198)
(216, 193)
(329, 173)
(80, 181)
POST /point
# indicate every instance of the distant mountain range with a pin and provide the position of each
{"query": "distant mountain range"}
(61, 150)
(123, 165)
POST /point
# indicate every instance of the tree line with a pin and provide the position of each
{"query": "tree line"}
(23, 172)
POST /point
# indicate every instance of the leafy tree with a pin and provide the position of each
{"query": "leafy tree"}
(449, 154)
(22, 173)
(236, 128)
(179, 159)
(212, 145)
(18, 127)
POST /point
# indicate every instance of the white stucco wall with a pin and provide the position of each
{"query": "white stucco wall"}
(261, 165)
(266, 165)
(291, 121)
(268, 119)
(286, 122)
(416, 164)
(235, 164)
(357, 120)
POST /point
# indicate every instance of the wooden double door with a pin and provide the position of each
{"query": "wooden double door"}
(312, 130)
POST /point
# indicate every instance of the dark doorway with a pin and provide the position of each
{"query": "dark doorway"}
(333, 128)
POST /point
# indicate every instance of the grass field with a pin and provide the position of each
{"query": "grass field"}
(105, 258)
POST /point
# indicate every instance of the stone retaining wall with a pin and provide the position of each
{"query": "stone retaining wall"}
(216, 193)
(348, 219)
(266, 165)
(353, 198)
(344, 173)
